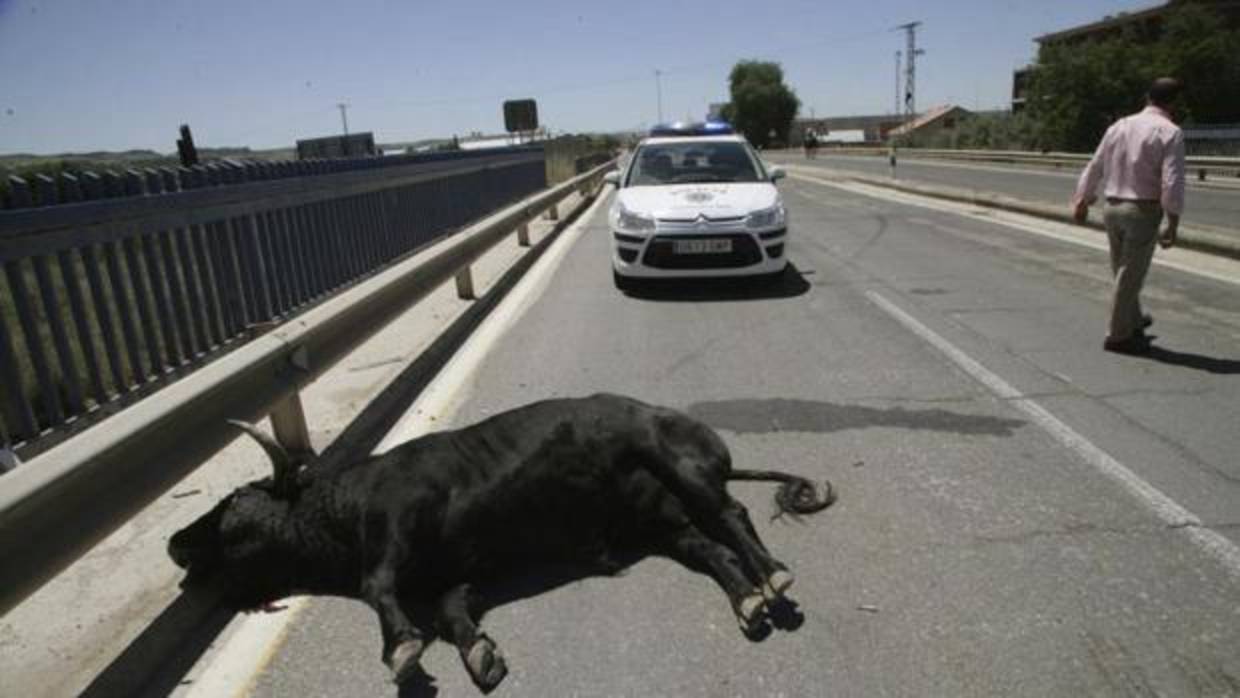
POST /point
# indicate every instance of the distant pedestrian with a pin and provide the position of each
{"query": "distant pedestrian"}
(891, 157)
(1140, 164)
(811, 144)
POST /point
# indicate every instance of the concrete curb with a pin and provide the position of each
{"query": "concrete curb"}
(1202, 239)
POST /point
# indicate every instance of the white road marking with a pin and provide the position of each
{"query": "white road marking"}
(250, 646)
(1166, 509)
(1188, 261)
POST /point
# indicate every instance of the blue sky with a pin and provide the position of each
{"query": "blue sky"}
(117, 74)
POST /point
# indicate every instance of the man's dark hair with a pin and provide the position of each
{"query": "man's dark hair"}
(1164, 91)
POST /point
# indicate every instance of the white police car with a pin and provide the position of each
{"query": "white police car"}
(695, 200)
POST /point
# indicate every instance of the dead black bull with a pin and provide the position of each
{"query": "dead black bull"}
(576, 481)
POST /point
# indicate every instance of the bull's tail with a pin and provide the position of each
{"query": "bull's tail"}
(795, 496)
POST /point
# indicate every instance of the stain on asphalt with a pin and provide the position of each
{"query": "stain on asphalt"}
(928, 291)
(778, 414)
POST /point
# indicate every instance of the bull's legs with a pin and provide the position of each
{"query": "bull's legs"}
(482, 658)
(736, 530)
(403, 643)
(695, 550)
(725, 519)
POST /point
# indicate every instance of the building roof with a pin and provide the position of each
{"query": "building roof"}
(1108, 22)
(928, 117)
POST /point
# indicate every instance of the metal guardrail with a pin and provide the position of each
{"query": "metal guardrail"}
(1201, 167)
(103, 299)
(46, 191)
(56, 506)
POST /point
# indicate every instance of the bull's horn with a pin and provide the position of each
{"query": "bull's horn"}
(285, 468)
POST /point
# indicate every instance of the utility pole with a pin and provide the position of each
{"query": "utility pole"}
(658, 88)
(897, 102)
(344, 116)
(910, 82)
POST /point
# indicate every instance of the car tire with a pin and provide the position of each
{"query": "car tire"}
(623, 283)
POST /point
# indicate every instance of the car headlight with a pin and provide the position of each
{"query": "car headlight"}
(766, 218)
(631, 222)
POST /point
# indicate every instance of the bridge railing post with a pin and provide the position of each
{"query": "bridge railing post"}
(465, 284)
(288, 416)
(288, 423)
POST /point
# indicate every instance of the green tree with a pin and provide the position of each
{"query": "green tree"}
(1078, 89)
(761, 102)
(1195, 47)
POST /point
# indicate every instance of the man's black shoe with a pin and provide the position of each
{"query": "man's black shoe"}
(1137, 344)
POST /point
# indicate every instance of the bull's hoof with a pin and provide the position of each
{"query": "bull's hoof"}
(404, 660)
(777, 584)
(486, 665)
(750, 612)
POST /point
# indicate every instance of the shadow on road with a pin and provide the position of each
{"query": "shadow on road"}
(783, 615)
(789, 284)
(156, 662)
(1208, 364)
(767, 416)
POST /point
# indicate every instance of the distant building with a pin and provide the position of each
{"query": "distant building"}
(843, 129)
(354, 145)
(936, 120)
(1146, 25)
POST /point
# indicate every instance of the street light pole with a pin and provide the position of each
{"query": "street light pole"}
(898, 54)
(344, 117)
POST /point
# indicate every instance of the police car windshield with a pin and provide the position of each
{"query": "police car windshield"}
(682, 163)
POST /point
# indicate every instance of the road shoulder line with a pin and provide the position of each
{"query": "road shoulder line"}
(1166, 509)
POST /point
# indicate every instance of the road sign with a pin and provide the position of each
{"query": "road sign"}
(520, 115)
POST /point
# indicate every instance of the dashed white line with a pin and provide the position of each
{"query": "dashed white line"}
(1166, 509)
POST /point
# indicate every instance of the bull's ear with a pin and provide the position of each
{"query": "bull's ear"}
(285, 476)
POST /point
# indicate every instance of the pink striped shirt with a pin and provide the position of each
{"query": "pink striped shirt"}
(1140, 157)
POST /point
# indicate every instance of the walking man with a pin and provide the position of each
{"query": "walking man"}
(1140, 164)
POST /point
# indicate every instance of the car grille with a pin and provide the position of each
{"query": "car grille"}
(721, 220)
(659, 253)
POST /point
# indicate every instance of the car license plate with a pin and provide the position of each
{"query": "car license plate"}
(723, 246)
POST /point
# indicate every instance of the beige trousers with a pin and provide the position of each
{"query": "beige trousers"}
(1132, 229)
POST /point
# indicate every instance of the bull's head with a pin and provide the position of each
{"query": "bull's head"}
(249, 537)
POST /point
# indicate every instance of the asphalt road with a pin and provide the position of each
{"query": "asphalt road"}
(971, 552)
(1213, 207)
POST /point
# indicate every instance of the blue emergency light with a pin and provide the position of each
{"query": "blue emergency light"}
(684, 128)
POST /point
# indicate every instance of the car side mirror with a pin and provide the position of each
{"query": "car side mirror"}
(612, 177)
(776, 173)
